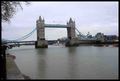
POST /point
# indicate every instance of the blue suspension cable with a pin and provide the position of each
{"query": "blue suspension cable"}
(26, 36)
(79, 31)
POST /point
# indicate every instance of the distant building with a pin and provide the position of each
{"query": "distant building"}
(111, 37)
(100, 36)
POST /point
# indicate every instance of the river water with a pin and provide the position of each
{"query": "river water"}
(59, 62)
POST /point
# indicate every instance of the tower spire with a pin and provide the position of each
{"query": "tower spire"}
(40, 18)
(70, 20)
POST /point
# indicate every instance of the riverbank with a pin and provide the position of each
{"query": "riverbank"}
(13, 71)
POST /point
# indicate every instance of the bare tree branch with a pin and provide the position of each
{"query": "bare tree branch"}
(9, 9)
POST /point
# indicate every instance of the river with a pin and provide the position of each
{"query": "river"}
(59, 62)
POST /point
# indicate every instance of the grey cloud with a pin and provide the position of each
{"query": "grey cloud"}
(86, 14)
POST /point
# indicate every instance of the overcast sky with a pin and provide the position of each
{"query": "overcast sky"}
(90, 17)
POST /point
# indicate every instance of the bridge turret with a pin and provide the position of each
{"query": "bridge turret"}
(40, 18)
(71, 33)
(41, 42)
(71, 29)
(70, 21)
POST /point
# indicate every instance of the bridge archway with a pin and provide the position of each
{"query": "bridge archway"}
(55, 33)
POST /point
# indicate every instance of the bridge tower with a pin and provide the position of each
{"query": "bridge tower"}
(41, 42)
(71, 29)
(72, 41)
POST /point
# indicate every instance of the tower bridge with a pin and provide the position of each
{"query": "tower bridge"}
(41, 41)
(72, 38)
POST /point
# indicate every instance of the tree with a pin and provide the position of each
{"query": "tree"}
(9, 9)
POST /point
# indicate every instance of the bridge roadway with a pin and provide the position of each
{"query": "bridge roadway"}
(50, 42)
(19, 41)
(11, 44)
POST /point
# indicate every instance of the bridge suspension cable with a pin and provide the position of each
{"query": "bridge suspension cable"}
(29, 34)
(25, 36)
(79, 32)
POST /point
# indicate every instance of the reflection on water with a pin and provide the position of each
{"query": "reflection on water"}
(41, 63)
(72, 62)
(83, 62)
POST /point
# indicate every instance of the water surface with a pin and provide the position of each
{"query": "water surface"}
(59, 62)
